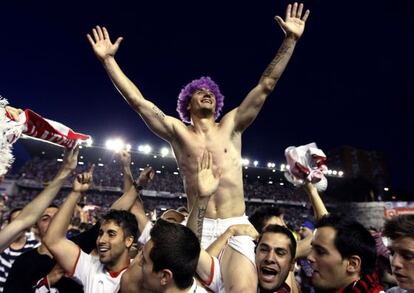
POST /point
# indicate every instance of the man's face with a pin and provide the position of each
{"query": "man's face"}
(150, 280)
(44, 221)
(402, 261)
(330, 269)
(273, 260)
(112, 243)
(202, 99)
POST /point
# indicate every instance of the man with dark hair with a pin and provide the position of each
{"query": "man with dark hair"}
(275, 258)
(400, 230)
(199, 105)
(266, 215)
(167, 262)
(117, 232)
(343, 256)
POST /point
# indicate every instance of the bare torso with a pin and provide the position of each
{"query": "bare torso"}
(225, 146)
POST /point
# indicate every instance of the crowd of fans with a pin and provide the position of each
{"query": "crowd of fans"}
(165, 192)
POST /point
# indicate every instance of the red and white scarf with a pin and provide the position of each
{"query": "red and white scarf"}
(31, 124)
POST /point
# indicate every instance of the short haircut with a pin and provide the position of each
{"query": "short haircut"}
(177, 249)
(123, 219)
(399, 226)
(281, 230)
(185, 96)
(12, 212)
(262, 214)
(352, 238)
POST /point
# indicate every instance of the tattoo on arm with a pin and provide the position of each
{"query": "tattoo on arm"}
(200, 217)
(283, 55)
(158, 112)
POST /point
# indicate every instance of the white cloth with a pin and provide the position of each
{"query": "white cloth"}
(306, 162)
(213, 228)
(90, 272)
(145, 234)
(216, 283)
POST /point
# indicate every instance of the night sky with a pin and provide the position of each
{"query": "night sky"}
(348, 83)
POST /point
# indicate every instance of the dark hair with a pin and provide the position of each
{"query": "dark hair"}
(177, 249)
(123, 219)
(262, 214)
(352, 238)
(12, 212)
(281, 230)
(399, 226)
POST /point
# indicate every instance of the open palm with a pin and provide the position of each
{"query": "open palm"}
(207, 181)
(294, 23)
(101, 43)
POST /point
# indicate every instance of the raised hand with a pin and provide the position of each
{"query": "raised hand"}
(101, 43)
(83, 181)
(207, 181)
(145, 176)
(13, 112)
(70, 160)
(125, 158)
(294, 23)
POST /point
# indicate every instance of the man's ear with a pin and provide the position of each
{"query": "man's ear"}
(354, 264)
(129, 241)
(166, 277)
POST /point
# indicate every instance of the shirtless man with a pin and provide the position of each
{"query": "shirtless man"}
(201, 101)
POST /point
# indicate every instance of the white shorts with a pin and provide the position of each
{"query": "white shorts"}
(213, 228)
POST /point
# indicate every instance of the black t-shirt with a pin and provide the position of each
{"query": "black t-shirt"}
(31, 266)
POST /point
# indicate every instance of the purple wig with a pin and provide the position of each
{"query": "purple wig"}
(185, 97)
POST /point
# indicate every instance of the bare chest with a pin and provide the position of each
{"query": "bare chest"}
(224, 147)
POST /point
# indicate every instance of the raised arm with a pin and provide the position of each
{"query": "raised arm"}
(293, 27)
(126, 201)
(125, 157)
(65, 251)
(319, 209)
(33, 210)
(318, 206)
(105, 51)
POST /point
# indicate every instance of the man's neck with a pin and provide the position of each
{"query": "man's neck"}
(19, 242)
(174, 289)
(203, 124)
(44, 251)
(122, 263)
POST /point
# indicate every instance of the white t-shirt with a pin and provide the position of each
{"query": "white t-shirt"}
(91, 273)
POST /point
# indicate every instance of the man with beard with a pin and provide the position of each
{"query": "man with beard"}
(117, 233)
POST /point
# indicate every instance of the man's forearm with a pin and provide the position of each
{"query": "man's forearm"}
(196, 216)
(126, 201)
(128, 180)
(125, 86)
(35, 208)
(275, 69)
(318, 206)
(61, 220)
